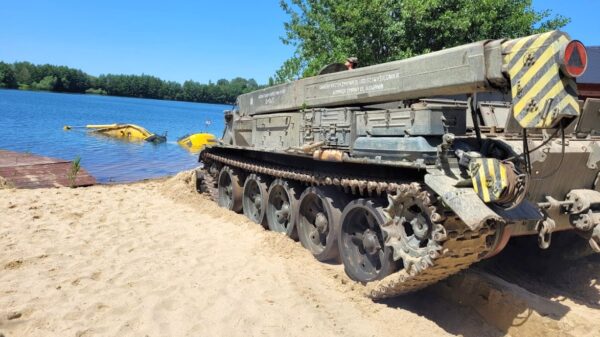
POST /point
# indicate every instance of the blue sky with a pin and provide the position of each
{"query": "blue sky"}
(179, 40)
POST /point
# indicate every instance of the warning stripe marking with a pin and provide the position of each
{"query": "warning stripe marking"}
(519, 47)
(567, 102)
(563, 89)
(485, 193)
(538, 87)
(549, 94)
(542, 61)
(536, 45)
(490, 179)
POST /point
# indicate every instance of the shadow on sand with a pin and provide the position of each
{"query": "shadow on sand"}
(452, 316)
(522, 292)
(553, 273)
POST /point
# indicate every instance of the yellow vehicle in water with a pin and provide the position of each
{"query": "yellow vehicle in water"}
(123, 131)
(197, 141)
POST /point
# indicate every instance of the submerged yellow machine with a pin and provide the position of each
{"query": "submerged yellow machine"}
(197, 141)
(123, 131)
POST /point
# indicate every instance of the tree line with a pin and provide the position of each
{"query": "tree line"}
(28, 76)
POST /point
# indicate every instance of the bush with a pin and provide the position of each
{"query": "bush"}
(47, 83)
(94, 91)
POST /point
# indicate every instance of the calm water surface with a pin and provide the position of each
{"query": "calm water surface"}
(33, 122)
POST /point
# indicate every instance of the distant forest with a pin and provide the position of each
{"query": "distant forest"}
(28, 76)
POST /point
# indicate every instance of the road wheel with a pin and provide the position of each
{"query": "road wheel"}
(319, 212)
(361, 242)
(281, 207)
(230, 189)
(254, 200)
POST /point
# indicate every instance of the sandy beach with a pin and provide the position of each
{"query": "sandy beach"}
(156, 259)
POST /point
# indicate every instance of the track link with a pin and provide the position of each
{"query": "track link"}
(460, 248)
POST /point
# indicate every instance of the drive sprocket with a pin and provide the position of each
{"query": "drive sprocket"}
(414, 231)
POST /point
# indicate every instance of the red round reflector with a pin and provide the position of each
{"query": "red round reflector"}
(573, 59)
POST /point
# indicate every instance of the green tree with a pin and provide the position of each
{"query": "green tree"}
(8, 79)
(376, 31)
(23, 72)
(292, 68)
(47, 83)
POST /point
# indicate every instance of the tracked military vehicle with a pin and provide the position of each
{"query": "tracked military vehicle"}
(412, 170)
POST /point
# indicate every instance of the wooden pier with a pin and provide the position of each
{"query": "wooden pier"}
(25, 170)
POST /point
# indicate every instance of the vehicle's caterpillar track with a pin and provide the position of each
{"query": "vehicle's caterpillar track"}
(356, 185)
(461, 248)
(452, 245)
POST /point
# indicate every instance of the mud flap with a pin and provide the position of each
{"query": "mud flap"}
(462, 200)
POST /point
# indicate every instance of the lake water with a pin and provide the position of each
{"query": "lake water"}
(33, 122)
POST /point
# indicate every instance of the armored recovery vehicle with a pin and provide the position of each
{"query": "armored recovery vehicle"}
(412, 170)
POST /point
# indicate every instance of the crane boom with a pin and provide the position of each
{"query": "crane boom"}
(491, 65)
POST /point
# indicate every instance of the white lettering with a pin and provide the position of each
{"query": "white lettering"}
(356, 86)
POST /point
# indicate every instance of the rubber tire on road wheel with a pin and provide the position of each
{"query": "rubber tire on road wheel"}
(329, 201)
(231, 200)
(255, 182)
(282, 188)
(350, 251)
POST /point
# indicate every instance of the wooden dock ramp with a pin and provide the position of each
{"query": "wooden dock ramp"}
(26, 170)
